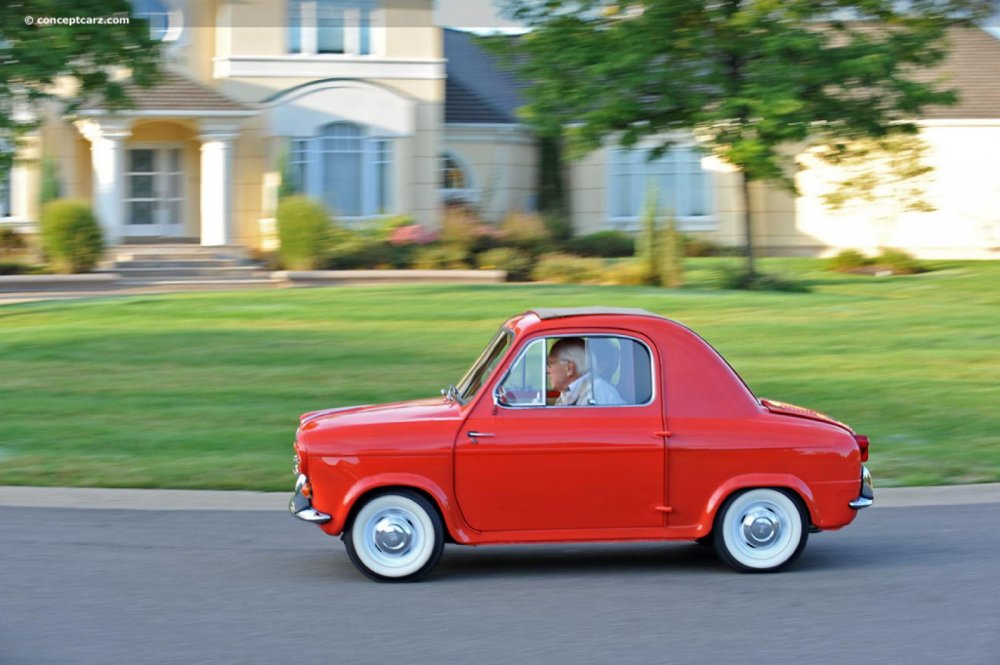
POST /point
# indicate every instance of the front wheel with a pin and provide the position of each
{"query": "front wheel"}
(760, 530)
(395, 537)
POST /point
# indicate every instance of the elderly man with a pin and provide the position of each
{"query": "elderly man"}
(567, 369)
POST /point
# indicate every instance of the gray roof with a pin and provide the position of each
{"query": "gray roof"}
(972, 69)
(479, 89)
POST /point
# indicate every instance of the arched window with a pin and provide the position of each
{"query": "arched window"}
(346, 168)
(164, 23)
(456, 178)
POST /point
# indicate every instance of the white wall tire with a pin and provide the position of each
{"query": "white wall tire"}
(395, 537)
(760, 530)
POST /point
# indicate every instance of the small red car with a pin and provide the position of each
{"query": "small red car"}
(590, 424)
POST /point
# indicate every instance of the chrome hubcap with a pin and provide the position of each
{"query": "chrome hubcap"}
(392, 533)
(760, 527)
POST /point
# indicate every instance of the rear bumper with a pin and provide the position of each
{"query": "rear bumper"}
(301, 506)
(867, 495)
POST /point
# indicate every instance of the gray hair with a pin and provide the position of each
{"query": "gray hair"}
(574, 349)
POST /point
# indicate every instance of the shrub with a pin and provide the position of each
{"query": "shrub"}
(463, 230)
(358, 251)
(604, 244)
(440, 257)
(671, 255)
(15, 268)
(559, 227)
(739, 279)
(699, 247)
(11, 242)
(71, 237)
(303, 232)
(568, 269)
(899, 262)
(525, 231)
(517, 263)
(625, 273)
(848, 260)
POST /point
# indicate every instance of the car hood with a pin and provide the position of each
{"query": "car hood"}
(783, 409)
(419, 410)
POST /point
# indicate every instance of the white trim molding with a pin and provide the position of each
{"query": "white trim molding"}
(327, 66)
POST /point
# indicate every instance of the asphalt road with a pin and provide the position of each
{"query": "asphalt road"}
(107, 587)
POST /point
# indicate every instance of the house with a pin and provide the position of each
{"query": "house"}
(375, 111)
(349, 92)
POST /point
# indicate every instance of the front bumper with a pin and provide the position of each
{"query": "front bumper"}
(301, 506)
(867, 496)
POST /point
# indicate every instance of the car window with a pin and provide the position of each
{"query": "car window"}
(484, 365)
(596, 370)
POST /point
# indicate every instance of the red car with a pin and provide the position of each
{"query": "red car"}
(590, 424)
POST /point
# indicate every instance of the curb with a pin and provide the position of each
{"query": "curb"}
(136, 499)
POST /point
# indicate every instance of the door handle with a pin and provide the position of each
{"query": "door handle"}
(473, 436)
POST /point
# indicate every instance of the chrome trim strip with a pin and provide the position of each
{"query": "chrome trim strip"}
(300, 506)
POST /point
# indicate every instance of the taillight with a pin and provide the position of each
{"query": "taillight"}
(301, 461)
(862, 445)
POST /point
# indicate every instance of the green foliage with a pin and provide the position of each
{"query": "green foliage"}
(517, 263)
(562, 268)
(848, 260)
(560, 227)
(15, 268)
(304, 233)
(358, 251)
(734, 278)
(604, 244)
(12, 243)
(51, 187)
(462, 230)
(71, 237)
(34, 57)
(525, 231)
(288, 186)
(624, 273)
(747, 79)
(899, 262)
(672, 255)
(440, 257)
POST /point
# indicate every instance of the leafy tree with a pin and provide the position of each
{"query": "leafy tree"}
(749, 78)
(34, 57)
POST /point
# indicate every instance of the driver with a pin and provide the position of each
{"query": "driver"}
(567, 370)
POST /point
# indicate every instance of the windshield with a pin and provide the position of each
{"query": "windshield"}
(484, 365)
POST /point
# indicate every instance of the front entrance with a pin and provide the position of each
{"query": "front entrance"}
(154, 191)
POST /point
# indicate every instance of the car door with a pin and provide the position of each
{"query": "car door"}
(523, 463)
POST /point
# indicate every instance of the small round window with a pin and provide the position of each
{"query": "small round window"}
(164, 21)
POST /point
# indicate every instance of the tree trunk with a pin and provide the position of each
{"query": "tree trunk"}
(747, 225)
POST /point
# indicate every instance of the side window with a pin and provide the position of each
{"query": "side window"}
(525, 384)
(599, 370)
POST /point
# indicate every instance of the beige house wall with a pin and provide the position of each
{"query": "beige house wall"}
(503, 164)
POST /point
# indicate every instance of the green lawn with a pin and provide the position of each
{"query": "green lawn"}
(204, 390)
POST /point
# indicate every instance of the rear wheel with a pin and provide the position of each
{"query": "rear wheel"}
(395, 537)
(760, 530)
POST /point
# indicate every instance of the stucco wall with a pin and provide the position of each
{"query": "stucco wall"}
(503, 162)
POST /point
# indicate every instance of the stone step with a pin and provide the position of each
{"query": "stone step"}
(178, 252)
(233, 272)
(178, 264)
(198, 284)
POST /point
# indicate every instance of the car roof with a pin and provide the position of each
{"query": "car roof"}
(563, 312)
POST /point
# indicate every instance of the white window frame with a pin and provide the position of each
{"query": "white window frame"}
(6, 193)
(174, 18)
(640, 173)
(377, 150)
(359, 27)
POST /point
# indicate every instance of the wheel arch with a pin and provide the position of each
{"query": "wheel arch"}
(800, 490)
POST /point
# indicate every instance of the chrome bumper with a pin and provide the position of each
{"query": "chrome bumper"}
(867, 497)
(301, 506)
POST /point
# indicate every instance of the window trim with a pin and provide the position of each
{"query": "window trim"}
(372, 145)
(359, 23)
(707, 222)
(653, 392)
(175, 20)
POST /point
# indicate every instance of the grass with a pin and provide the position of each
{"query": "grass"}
(203, 390)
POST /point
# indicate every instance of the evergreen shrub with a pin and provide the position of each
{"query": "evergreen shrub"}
(71, 237)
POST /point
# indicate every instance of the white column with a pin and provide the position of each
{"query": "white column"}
(217, 188)
(107, 139)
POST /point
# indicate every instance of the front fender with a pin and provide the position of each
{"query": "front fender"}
(366, 485)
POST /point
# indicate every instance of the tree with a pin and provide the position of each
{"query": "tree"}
(34, 57)
(748, 78)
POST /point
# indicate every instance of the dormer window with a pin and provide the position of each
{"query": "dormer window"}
(165, 22)
(330, 27)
